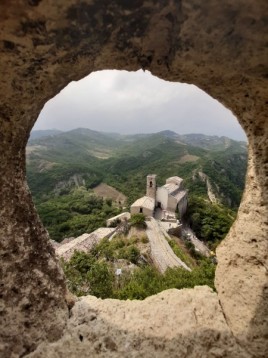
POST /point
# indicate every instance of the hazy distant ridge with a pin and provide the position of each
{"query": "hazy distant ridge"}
(209, 142)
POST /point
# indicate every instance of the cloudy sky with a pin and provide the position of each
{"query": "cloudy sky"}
(137, 102)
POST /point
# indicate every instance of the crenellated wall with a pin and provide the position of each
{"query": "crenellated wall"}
(220, 47)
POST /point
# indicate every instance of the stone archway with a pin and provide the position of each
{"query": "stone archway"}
(44, 45)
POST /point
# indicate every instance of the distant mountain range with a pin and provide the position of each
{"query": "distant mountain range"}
(123, 161)
(63, 168)
(195, 139)
(35, 134)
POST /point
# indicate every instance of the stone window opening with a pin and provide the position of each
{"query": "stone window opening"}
(50, 48)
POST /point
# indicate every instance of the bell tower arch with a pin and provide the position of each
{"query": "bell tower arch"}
(151, 186)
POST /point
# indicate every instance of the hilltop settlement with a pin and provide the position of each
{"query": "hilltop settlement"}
(163, 208)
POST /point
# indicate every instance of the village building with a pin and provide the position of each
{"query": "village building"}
(144, 205)
(162, 202)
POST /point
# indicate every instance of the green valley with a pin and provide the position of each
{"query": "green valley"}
(64, 167)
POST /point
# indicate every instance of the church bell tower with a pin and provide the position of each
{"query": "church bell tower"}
(151, 186)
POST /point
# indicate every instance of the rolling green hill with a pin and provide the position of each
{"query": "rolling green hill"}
(59, 164)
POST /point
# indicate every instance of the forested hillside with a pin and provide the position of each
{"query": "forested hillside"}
(63, 168)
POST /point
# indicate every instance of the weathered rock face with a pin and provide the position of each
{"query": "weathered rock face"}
(190, 323)
(219, 46)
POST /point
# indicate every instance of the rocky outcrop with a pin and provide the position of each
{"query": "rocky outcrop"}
(220, 47)
(211, 195)
(113, 328)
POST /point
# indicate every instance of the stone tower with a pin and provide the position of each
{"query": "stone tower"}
(151, 186)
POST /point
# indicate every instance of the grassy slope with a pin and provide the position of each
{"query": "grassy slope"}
(94, 273)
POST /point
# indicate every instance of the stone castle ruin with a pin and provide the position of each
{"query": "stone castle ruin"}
(219, 46)
(166, 200)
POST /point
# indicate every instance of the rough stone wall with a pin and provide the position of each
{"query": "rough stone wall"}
(189, 324)
(219, 46)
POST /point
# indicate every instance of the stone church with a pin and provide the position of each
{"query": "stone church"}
(164, 200)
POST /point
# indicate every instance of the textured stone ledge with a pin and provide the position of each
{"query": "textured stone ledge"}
(173, 323)
(220, 46)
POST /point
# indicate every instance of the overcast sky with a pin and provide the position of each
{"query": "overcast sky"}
(137, 102)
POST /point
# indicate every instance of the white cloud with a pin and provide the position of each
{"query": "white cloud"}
(135, 102)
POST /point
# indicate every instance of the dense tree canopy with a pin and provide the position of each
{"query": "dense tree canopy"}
(74, 213)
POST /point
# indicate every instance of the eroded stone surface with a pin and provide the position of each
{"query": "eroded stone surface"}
(185, 323)
(219, 46)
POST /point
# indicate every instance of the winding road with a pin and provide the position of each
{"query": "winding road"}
(162, 254)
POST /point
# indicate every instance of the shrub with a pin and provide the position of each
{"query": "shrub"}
(89, 274)
(142, 283)
(144, 239)
(179, 252)
(100, 280)
(210, 222)
(86, 275)
(104, 249)
(133, 240)
(131, 253)
(138, 220)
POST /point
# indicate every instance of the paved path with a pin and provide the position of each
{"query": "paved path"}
(162, 254)
(198, 244)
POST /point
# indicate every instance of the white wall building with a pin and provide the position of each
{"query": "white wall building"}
(144, 205)
(167, 198)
